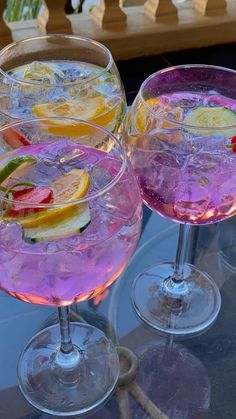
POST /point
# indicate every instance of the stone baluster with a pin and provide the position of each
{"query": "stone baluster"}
(5, 32)
(108, 13)
(156, 9)
(208, 6)
(56, 20)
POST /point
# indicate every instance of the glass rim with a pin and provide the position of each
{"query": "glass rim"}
(177, 124)
(58, 36)
(87, 197)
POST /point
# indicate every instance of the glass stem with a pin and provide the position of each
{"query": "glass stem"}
(66, 342)
(181, 253)
(175, 285)
(66, 361)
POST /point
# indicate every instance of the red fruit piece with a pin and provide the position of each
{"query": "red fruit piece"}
(233, 141)
(34, 196)
(13, 138)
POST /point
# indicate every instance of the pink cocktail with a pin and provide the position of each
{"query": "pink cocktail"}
(70, 220)
(71, 269)
(181, 132)
(190, 175)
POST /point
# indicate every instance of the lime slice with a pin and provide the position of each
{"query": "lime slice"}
(11, 166)
(75, 223)
(211, 118)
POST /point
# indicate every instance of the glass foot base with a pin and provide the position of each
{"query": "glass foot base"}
(88, 383)
(171, 312)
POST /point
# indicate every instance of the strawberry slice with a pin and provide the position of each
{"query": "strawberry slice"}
(14, 139)
(34, 196)
(233, 142)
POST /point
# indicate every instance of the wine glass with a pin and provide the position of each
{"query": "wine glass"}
(179, 137)
(61, 75)
(71, 216)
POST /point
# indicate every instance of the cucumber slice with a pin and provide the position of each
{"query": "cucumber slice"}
(73, 224)
(211, 118)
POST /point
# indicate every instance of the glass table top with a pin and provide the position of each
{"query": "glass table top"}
(161, 377)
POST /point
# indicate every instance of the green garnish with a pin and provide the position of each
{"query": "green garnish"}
(13, 164)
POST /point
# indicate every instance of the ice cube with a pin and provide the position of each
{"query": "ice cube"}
(72, 157)
(42, 173)
(169, 159)
(106, 89)
(186, 100)
(56, 150)
(212, 142)
(58, 95)
(10, 235)
(194, 210)
(58, 77)
(99, 177)
(43, 73)
(73, 74)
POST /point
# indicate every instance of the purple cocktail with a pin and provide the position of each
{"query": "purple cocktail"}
(185, 175)
(180, 140)
(101, 251)
(70, 220)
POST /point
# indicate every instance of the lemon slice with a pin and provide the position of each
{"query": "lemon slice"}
(142, 116)
(71, 186)
(91, 109)
(74, 185)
